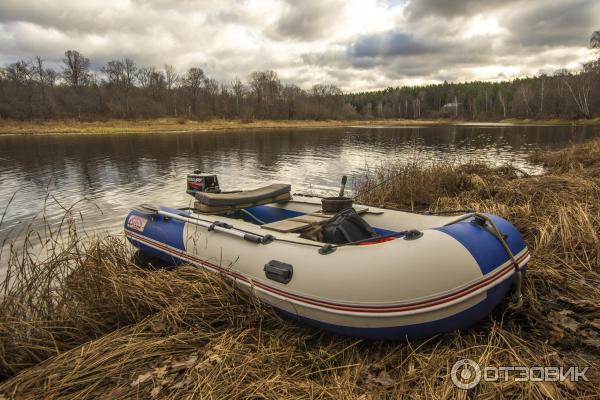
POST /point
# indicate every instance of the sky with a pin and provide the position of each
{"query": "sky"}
(354, 44)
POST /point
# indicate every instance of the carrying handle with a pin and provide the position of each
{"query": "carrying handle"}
(279, 271)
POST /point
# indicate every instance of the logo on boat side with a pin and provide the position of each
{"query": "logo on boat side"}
(136, 222)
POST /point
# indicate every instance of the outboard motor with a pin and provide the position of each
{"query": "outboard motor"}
(202, 182)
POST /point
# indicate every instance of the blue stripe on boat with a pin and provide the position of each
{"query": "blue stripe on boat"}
(168, 232)
(384, 232)
(483, 246)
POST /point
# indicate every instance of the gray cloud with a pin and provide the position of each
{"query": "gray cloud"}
(308, 20)
(553, 24)
(356, 44)
(417, 9)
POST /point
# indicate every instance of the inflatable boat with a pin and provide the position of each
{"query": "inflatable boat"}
(357, 270)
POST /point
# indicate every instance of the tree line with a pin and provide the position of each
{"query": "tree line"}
(122, 89)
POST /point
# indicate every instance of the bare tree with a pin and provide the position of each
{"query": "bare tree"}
(543, 79)
(193, 82)
(171, 80)
(238, 91)
(266, 87)
(171, 76)
(580, 86)
(144, 76)
(595, 43)
(43, 77)
(51, 77)
(526, 96)
(129, 73)
(76, 73)
(291, 94)
(115, 73)
(20, 74)
(76, 69)
(594, 65)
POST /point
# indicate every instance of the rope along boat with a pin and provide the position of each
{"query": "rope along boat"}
(361, 271)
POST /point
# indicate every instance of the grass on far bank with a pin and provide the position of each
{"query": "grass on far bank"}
(183, 124)
(88, 323)
(552, 121)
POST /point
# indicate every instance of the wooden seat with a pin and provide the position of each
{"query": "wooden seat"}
(301, 222)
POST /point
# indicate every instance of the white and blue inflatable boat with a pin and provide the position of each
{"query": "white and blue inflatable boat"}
(363, 271)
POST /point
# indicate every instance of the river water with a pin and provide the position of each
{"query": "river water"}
(104, 175)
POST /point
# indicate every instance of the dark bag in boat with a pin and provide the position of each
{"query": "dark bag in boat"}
(345, 227)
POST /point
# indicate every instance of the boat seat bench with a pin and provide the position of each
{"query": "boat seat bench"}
(217, 202)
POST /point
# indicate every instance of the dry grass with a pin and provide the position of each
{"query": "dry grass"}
(157, 125)
(580, 160)
(417, 184)
(553, 121)
(90, 324)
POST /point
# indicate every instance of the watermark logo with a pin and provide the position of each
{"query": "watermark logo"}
(466, 374)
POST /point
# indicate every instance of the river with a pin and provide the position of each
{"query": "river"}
(104, 175)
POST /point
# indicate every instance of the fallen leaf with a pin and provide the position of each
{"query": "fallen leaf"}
(141, 379)
(590, 338)
(214, 359)
(578, 303)
(185, 364)
(155, 391)
(167, 380)
(182, 383)
(211, 360)
(115, 393)
(556, 336)
(549, 390)
(158, 326)
(563, 319)
(384, 379)
(411, 367)
(569, 384)
(160, 372)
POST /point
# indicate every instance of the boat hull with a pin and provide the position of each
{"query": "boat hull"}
(449, 279)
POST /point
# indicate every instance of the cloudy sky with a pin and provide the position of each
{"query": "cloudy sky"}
(355, 44)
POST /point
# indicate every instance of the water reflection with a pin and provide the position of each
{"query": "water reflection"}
(115, 171)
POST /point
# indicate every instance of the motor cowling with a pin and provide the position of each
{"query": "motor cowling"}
(202, 182)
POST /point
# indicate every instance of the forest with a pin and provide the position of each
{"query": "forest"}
(29, 89)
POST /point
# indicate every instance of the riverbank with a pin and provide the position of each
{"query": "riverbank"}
(163, 125)
(108, 329)
(183, 125)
